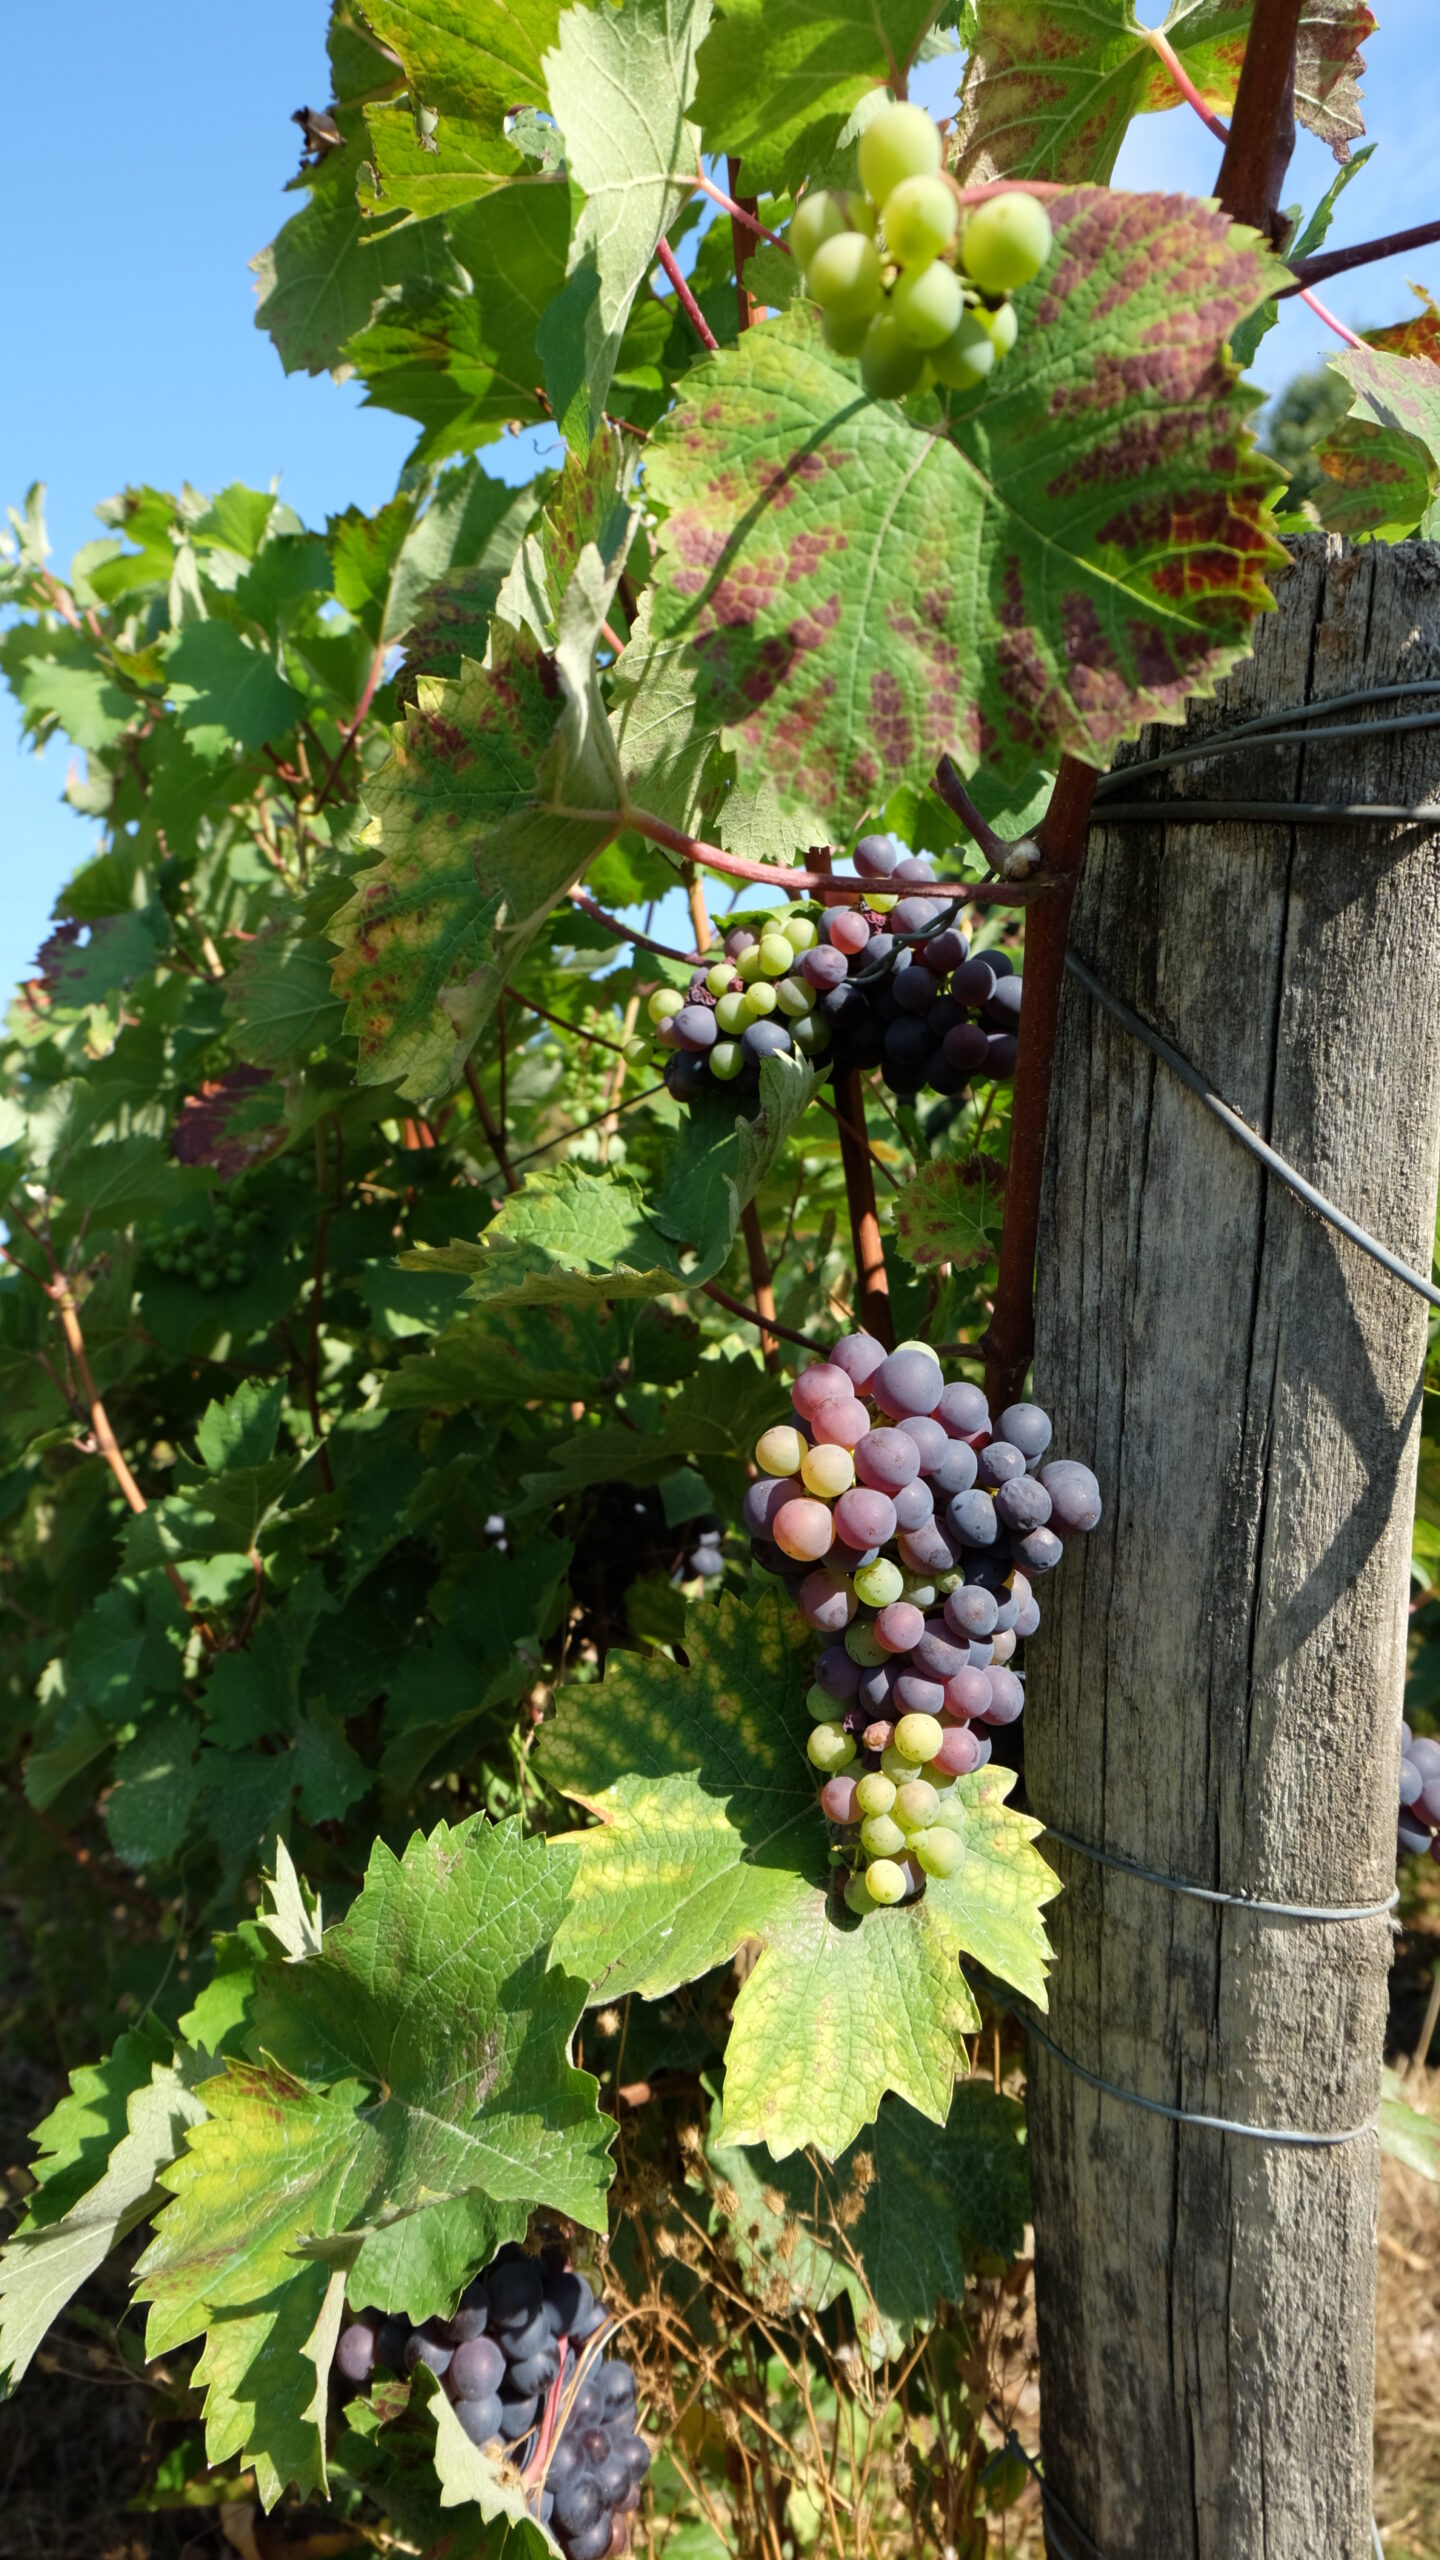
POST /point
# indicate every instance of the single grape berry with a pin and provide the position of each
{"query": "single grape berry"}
(1006, 241)
(927, 305)
(889, 366)
(899, 142)
(845, 278)
(921, 216)
(817, 217)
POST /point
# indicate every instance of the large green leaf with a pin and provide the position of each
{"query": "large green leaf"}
(569, 1238)
(408, 2103)
(327, 276)
(930, 2193)
(717, 1413)
(468, 63)
(1082, 549)
(1049, 92)
(708, 1833)
(779, 78)
(619, 82)
(466, 366)
(471, 817)
(49, 2257)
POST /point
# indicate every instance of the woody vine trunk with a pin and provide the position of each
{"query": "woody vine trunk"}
(1217, 1691)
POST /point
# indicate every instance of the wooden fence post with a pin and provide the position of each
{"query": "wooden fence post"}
(1216, 1690)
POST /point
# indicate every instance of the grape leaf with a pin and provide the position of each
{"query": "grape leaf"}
(619, 83)
(1406, 2133)
(1049, 93)
(929, 2193)
(470, 65)
(951, 1211)
(708, 1833)
(717, 1413)
(471, 816)
(47, 2261)
(1418, 336)
(327, 276)
(1374, 480)
(568, 1239)
(511, 1356)
(226, 690)
(1083, 550)
(779, 78)
(1401, 392)
(408, 2102)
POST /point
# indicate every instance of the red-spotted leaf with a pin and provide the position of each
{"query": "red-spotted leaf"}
(1049, 92)
(1417, 337)
(951, 1211)
(1078, 551)
(1374, 480)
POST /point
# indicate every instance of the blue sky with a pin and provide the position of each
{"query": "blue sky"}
(153, 149)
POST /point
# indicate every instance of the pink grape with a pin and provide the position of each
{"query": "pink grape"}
(841, 1424)
(899, 1626)
(1007, 1697)
(887, 1460)
(818, 1386)
(848, 932)
(803, 1528)
(959, 1752)
(837, 1796)
(864, 1518)
(968, 1694)
(859, 1355)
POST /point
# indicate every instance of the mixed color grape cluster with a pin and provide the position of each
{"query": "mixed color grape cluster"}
(889, 984)
(1419, 1795)
(919, 294)
(908, 1528)
(520, 2363)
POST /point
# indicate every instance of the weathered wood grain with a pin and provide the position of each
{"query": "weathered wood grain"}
(1216, 1689)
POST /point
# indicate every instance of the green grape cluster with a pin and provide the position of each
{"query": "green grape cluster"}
(900, 282)
(210, 1253)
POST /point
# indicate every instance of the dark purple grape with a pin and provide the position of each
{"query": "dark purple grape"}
(980, 1654)
(838, 1676)
(824, 967)
(914, 871)
(534, 2373)
(565, 2460)
(965, 1049)
(617, 2386)
(847, 1559)
(997, 1462)
(931, 1439)
(859, 1355)
(845, 1009)
(1074, 1494)
(1028, 1427)
(948, 951)
(1002, 1011)
(973, 982)
(1023, 1504)
(826, 1602)
(914, 1696)
(595, 2441)
(1411, 1787)
(944, 1015)
(886, 1460)
(945, 1079)
(480, 2419)
(957, 1468)
(766, 1038)
(1039, 1550)
(686, 1075)
(914, 1505)
(971, 1612)
(614, 2477)
(875, 857)
(357, 2345)
(864, 1516)
(762, 1500)
(392, 2341)
(963, 1410)
(527, 2341)
(594, 2542)
(915, 990)
(517, 2417)
(635, 2454)
(1001, 962)
(968, 1692)
(907, 1043)
(477, 2369)
(879, 949)
(872, 1698)
(695, 1024)
(911, 915)
(579, 2503)
(935, 1657)
(909, 1382)
(471, 2320)
(929, 1549)
(1027, 1617)
(986, 1746)
(971, 1516)
(1424, 1753)
(424, 2346)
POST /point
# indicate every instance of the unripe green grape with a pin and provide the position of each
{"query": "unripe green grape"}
(718, 979)
(780, 1449)
(940, 1852)
(857, 1896)
(965, 358)
(899, 142)
(1006, 241)
(799, 932)
(844, 276)
(663, 1003)
(732, 1014)
(889, 366)
(747, 967)
(820, 1706)
(885, 1882)
(794, 997)
(827, 1471)
(843, 337)
(942, 1780)
(928, 304)
(776, 957)
(915, 1804)
(1001, 327)
(862, 1646)
(881, 1837)
(830, 1747)
(875, 1793)
(950, 1812)
(811, 1034)
(860, 212)
(881, 906)
(921, 215)
(918, 1738)
(726, 1060)
(915, 1586)
(895, 1766)
(816, 217)
(879, 1583)
(945, 1583)
(759, 999)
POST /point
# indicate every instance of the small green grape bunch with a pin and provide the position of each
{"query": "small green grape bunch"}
(210, 1253)
(901, 283)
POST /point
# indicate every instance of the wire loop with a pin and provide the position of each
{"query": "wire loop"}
(1254, 1902)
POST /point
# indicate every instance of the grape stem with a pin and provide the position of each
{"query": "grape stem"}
(741, 209)
(761, 1282)
(952, 791)
(491, 1127)
(576, 1030)
(629, 932)
(762, 1324)
(1338, 262)
(740, 867)
(872, 1281)
(1160, 43)
(686, 299)
(1321, 313)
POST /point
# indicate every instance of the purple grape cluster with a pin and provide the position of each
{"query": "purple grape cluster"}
(1419, 1795)
(891, 986)
(513, 2362)
(908, 1528)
